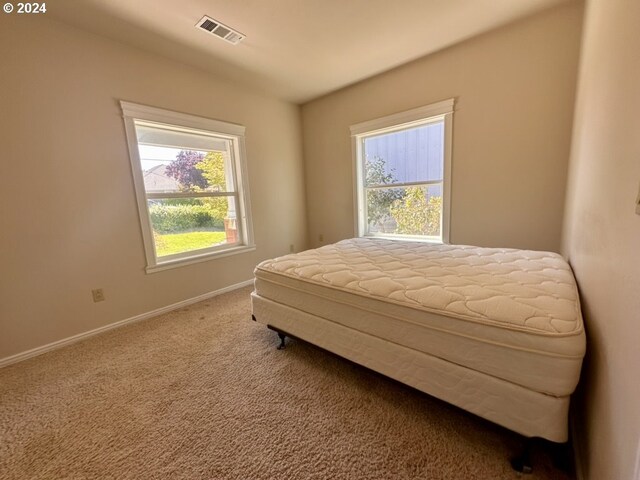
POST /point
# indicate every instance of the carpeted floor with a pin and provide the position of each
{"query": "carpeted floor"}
(203, 393)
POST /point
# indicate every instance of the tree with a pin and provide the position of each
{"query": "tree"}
(211, 167)
(184, 170)
(379, 200)
(415, 214)
(199, 172)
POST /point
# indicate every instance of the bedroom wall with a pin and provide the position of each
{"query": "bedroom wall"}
(515, 90)
(69, 215)
(602, 238)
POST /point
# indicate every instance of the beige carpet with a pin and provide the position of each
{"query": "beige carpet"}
(203, 393)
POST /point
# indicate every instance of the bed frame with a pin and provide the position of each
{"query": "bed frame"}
(530, 414)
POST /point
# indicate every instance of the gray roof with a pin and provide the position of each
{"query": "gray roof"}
(156, 180)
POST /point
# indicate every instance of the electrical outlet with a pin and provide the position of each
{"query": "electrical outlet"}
(98, 295)
(292, 248)
(321, 237)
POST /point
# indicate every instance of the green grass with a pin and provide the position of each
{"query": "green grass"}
(183, 242)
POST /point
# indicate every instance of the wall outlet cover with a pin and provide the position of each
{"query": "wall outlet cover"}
(98, 295)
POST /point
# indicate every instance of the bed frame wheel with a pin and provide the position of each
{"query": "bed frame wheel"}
(561, 455)
(281, 336)
(522, 463)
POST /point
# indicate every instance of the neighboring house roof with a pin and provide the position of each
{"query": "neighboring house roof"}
(156, 180)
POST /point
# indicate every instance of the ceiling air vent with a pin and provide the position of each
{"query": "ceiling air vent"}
(219, 29)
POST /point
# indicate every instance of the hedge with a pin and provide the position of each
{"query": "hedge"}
(177, 218)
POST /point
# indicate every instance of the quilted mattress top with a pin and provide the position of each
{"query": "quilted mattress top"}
(514, 289)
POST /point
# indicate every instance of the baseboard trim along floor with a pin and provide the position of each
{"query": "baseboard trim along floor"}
(577, 447)
(34, 352)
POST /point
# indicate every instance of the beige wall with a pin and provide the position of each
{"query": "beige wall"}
(515, 91)
(69, 216)
(602, 237)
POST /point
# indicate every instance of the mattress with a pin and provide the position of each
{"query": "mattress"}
(511, 314)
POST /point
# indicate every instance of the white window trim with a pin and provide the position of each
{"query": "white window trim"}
(132, 112)
(399, 121)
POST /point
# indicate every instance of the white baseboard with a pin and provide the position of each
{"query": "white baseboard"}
(577, 448)
(636, 474)
(18, 357)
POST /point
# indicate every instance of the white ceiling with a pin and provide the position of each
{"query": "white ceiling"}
(295, 49)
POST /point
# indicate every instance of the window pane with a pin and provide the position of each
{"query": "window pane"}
(185, 224)
(405, 211)
(177, 161)
(411, 155)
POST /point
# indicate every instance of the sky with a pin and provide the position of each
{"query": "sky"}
(152, 156)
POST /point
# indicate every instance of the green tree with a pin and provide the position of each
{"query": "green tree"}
(379, 200)
(212, 169)
(415, 214)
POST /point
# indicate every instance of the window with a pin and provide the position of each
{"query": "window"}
(402, 171)
(190, 179)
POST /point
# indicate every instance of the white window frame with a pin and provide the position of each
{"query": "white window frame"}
(435, 112)
(133, 112)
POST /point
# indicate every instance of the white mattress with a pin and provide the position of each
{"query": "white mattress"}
(511, 314)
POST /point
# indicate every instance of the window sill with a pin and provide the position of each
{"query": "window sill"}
(409, 238)
(181, 262)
